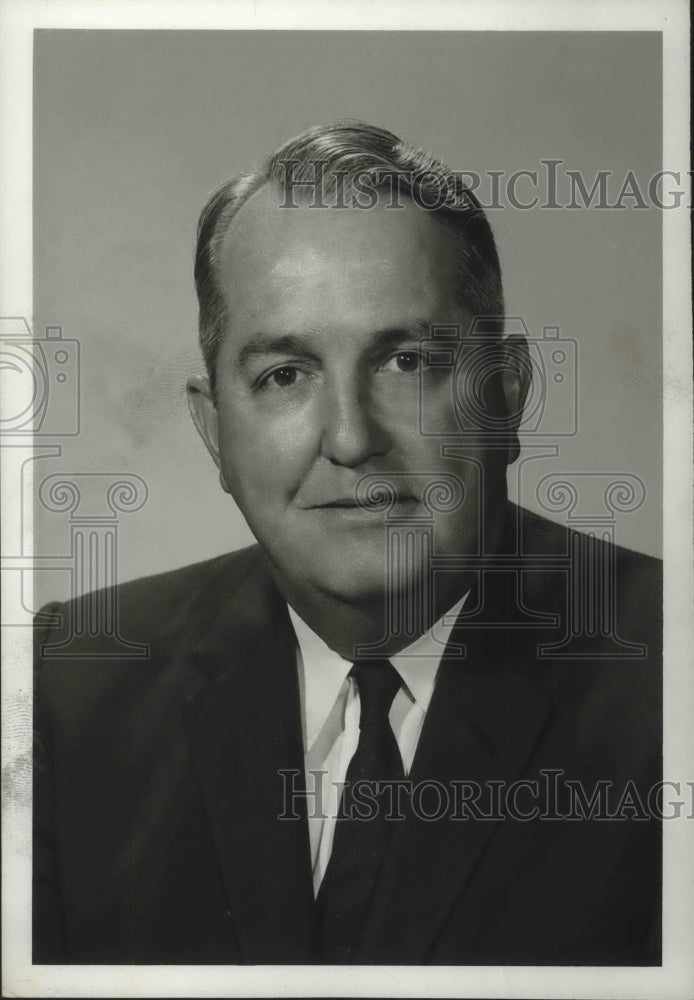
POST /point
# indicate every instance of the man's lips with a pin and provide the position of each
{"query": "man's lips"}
(336, 503)
(347, 503)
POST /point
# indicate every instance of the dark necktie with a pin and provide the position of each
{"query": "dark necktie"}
(362, 827)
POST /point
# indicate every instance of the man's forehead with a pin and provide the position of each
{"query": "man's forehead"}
(266, 232)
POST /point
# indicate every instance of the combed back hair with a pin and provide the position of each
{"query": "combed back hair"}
(330, 164)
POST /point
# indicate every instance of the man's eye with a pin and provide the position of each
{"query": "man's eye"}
(283, 378)
(407, 361)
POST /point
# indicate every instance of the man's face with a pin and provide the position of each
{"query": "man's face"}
(318, 386)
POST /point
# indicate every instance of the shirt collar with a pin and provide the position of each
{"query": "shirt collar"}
(322, 674)
(419, 662)
(323, 671)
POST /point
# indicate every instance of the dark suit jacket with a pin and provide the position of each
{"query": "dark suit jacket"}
(157, 789)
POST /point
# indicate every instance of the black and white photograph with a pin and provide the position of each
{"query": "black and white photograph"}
(347, 560)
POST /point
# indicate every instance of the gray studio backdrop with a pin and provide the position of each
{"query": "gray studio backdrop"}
(134, 129)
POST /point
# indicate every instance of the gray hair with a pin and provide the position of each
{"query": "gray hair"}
(339, 158)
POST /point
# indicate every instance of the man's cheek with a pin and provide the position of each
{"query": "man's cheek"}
(268, 473)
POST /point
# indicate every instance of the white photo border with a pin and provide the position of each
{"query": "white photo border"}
(18, 19)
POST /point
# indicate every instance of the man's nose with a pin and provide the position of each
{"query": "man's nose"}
(352, 430)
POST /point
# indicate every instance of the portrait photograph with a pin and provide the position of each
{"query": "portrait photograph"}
(347, 526)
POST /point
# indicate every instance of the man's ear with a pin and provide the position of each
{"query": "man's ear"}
(516, 375)
(204, 413)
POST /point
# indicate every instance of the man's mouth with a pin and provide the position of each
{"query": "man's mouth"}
(345, 502)
(350, 503)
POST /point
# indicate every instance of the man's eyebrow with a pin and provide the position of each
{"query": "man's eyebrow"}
(264, 344)
(396, 334)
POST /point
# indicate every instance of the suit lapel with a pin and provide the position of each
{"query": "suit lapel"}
(485, 718)
(244, 730)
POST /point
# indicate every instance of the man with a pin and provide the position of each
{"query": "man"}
(374, 737)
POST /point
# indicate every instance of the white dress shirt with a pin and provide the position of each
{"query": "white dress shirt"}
(330, 716)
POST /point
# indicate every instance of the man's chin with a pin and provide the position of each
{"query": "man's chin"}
(360, 570)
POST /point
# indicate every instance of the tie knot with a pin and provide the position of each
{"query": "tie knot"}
(378, 682)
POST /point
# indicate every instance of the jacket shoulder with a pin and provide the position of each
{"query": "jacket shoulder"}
(148, 608)
(540, 534)
(170, 587)
(634, 578)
